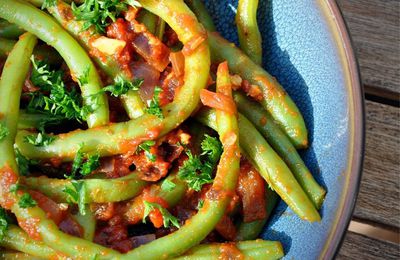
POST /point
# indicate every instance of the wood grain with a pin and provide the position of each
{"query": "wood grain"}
(357, 247)
(374, 27)
(378, 200)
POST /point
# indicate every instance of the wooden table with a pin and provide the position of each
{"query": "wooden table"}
(375, 28)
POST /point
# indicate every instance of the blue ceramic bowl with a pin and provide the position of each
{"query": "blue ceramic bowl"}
(307, 47)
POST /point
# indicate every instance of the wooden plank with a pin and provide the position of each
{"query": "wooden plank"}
(378, 200)
(357, 247)
(374, 27)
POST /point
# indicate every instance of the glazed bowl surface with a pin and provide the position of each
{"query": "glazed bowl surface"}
(307, 48)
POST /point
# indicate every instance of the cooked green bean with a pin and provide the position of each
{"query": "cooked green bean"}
(6, 255)
(97, 190)
(41, 24)
(251, 230)
(270, 165)
(248, 32)
(17, 239)
(200, 225)
(120, 137)
(87, 222)
(14, 72)
(149, 20)
(9, 30)
(275, 99)
(41, 52)
(202, 14)
(160, 29)
(11, 81)
(256, 249)
(264, 123)
(132, 102)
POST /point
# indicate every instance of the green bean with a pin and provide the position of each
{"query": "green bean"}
(15, 238)
(6, 255)
(248, 32)
(218, 198)
(41, 24)
(270, 165)
(87, 222)
(9, 30)
(41, 52)
(12, 78)
(202, 14)
(256, 249)
(160, 28)
(132, 102)
(264, 123)
(122, 137)
(251, 230)
(275, 99)
(97, 190)
(149, 20)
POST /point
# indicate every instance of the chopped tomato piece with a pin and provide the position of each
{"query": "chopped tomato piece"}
(218, 101)
(52, 209)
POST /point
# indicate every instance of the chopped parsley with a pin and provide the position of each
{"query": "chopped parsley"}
(98, 13)
(3, 223)
(153, 105)
(15, 187)
(200, 204)
(168, 218)
(41, 139)
(121, 86)
(26, 201)
(77, 194)
(23, 163)
(84, 79)
(83, 164)
(48, 3)
(60, 102)
(145, 146)
(3, 131)
(168, 185)
(197, 170)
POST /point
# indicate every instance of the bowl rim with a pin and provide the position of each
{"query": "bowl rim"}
(355, 91)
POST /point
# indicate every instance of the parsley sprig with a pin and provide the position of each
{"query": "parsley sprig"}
(60, 102)
(26, 201)
(197, 170)
(83, 164)
(3, 223)
(3, 131)
(168, 218)
(146, 146)
(121, 86)
(153, 105)
(41, 139)
(77, 194)
(98, 13)
(23, 163)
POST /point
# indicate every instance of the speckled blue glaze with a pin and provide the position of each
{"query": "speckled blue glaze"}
(299, 49)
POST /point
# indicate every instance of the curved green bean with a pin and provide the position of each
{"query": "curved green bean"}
(270, 166)
(41, 52)
(256, 249)
(97, 190)
(132, 102)
(264, 123)
(275, 99)
(122, 137)
(15, 238)
(9, 30)
(217, 199)
(202, 14)
(87, 222)
(41, 24)
(251, 230)
(12, 79)
(149, 20)
(248, 32)
(7, 255)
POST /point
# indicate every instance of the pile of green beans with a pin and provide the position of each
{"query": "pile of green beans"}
(267, 133)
